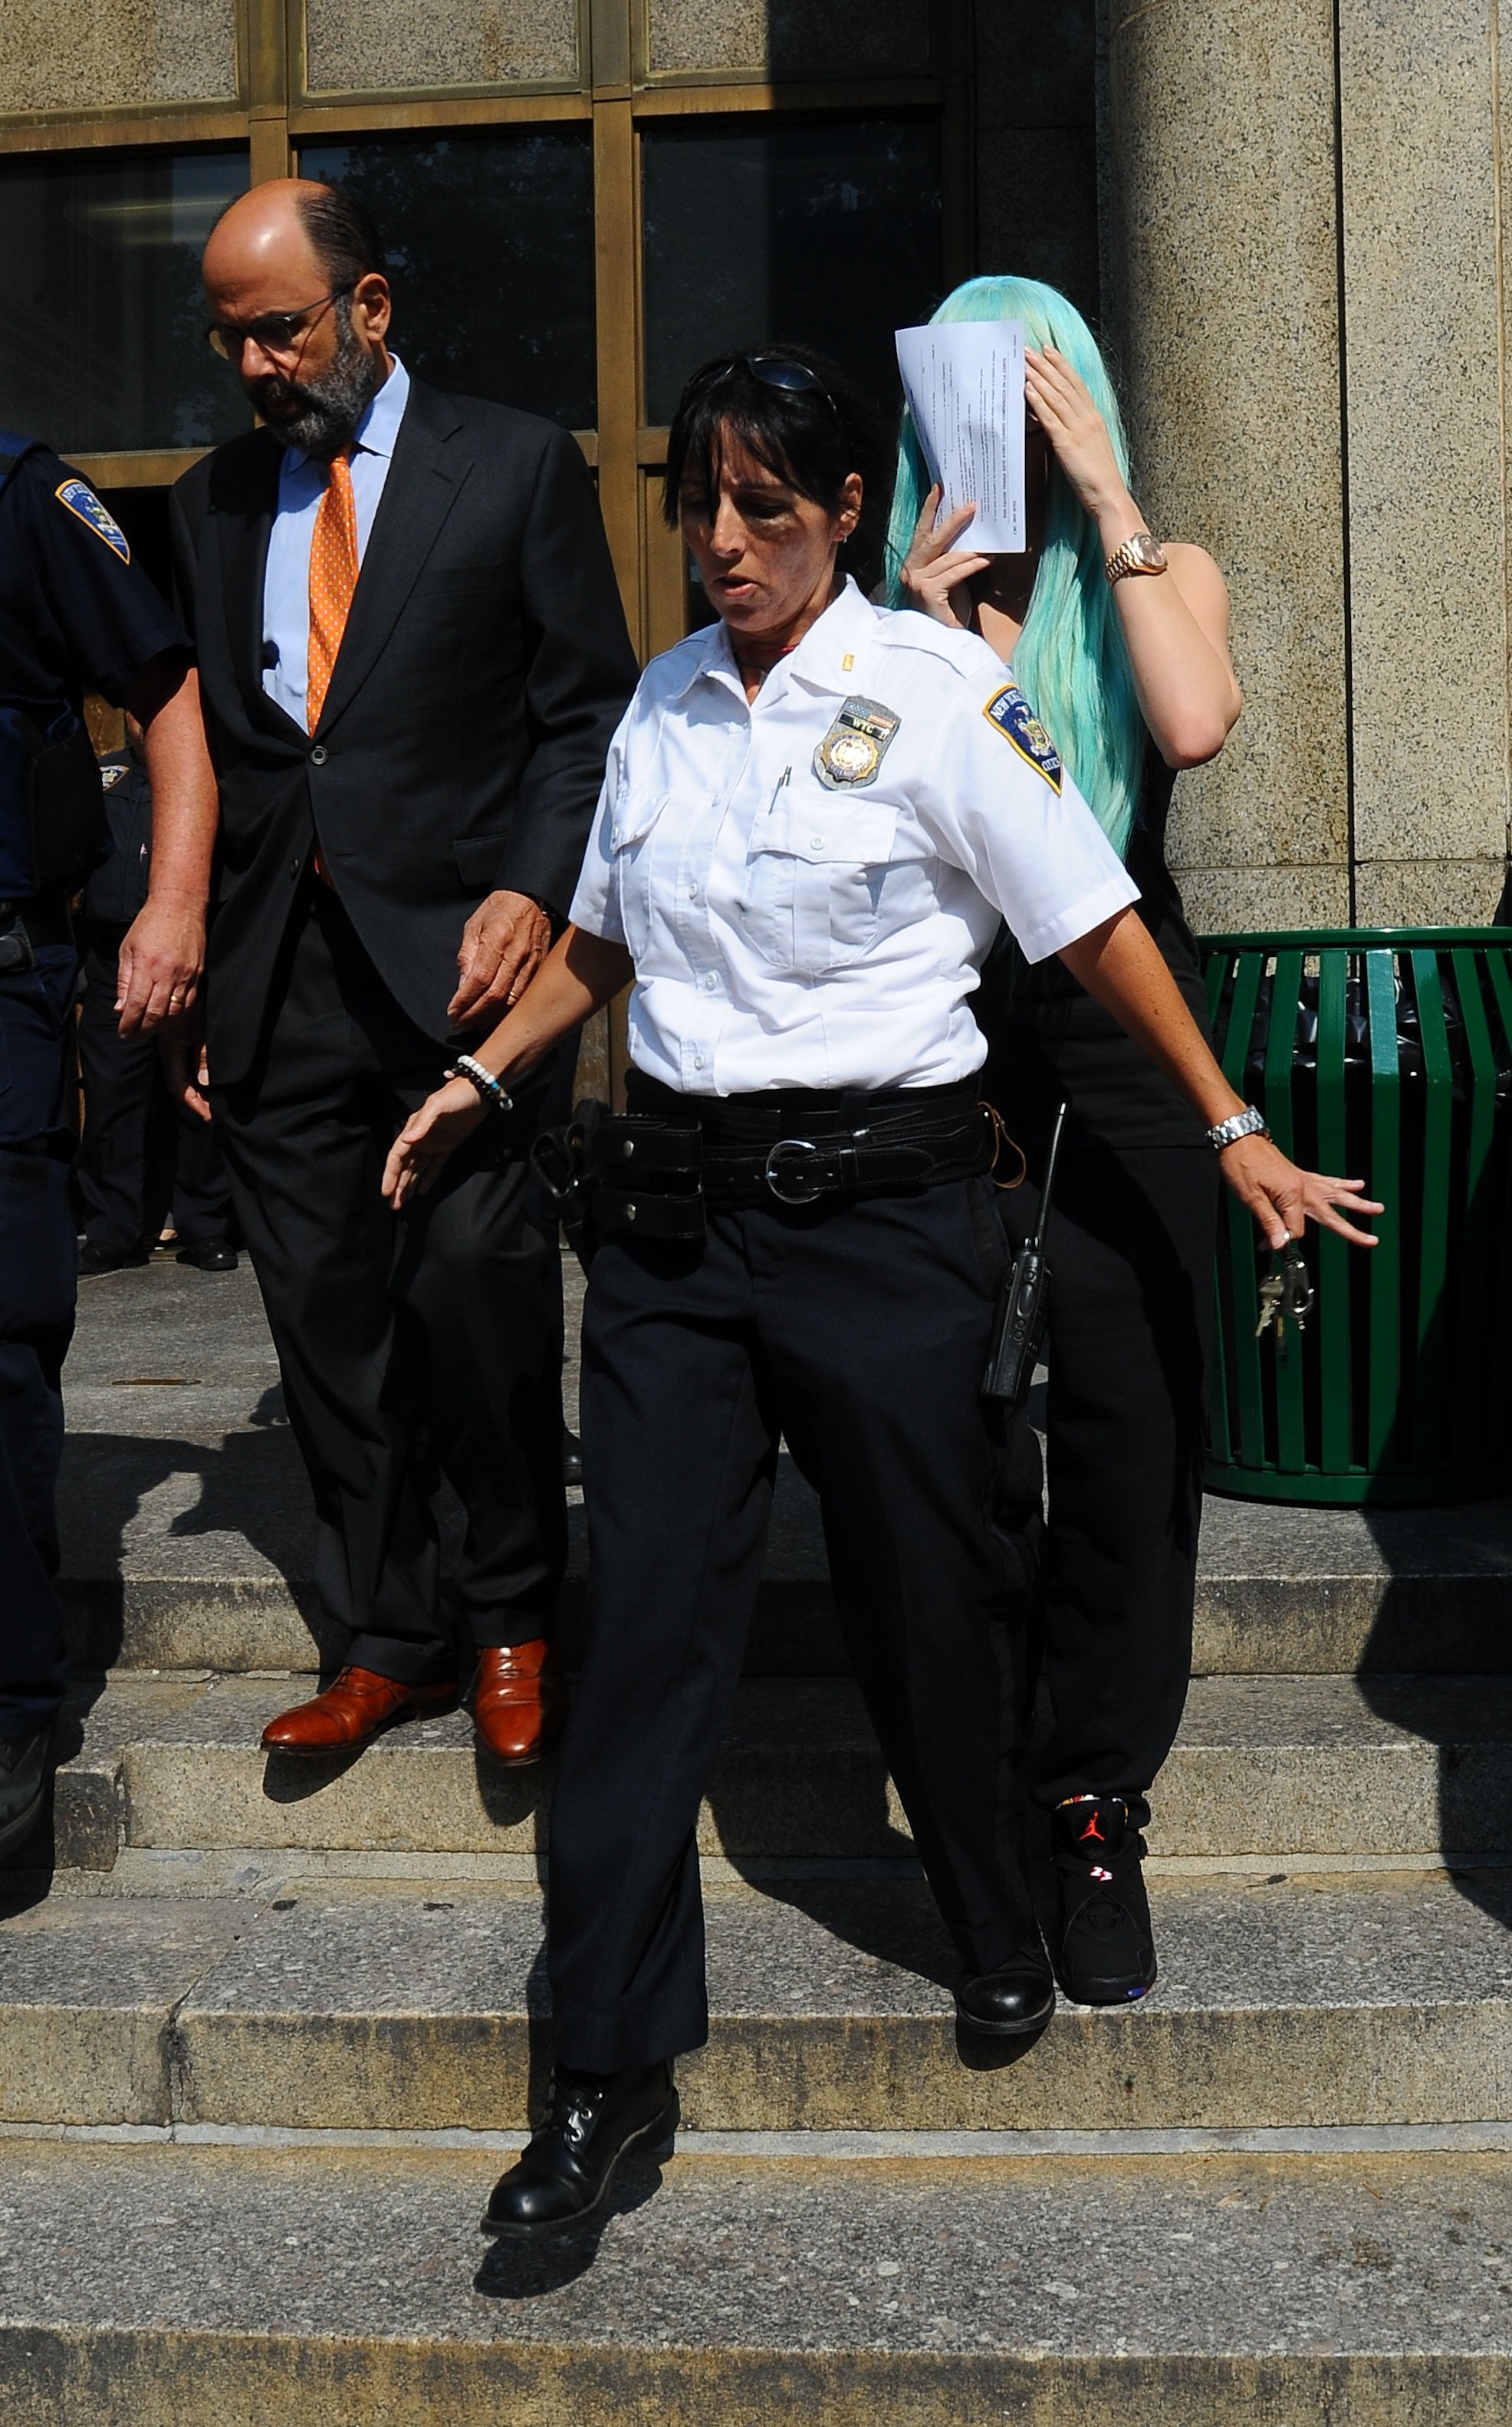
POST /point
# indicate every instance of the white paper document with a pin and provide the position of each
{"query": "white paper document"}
(964, 385)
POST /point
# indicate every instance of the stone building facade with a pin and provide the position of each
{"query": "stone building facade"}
(1287, 221)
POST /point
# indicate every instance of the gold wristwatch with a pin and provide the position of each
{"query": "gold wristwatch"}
(1142, 553)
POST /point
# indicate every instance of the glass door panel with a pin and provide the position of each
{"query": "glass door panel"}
(489, 238)
(824, 231)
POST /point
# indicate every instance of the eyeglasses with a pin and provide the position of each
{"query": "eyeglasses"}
(775, 370)
(273, 333)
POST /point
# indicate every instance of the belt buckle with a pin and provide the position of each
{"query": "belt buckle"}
(773, 1173)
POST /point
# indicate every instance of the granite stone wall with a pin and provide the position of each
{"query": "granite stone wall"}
(1303, 272)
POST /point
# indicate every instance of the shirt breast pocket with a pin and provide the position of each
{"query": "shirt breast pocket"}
(816, 875)
(632, 851)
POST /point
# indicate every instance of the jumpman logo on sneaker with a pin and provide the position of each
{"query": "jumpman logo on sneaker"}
(1093, 1831)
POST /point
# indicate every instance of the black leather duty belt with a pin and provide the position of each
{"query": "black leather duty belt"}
(659, 1173)
(31, 925)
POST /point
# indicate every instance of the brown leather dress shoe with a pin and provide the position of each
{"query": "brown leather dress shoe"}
(519, 1701)
(356, 1706)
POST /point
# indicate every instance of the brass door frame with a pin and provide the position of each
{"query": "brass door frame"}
(273, 113)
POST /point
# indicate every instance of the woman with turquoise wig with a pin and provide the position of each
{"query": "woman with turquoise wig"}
(1120, 645)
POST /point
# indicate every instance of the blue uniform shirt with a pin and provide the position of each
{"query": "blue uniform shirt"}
(75, 615)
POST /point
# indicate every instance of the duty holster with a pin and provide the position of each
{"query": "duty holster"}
(650, 1178)
(563, 1159)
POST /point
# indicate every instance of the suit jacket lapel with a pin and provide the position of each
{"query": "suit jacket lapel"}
(425, 477)
(244, 528)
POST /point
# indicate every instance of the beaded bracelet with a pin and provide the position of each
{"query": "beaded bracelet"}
(491, 1090)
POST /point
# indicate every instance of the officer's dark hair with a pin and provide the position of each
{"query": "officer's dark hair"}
(341, 231)
(813, 436)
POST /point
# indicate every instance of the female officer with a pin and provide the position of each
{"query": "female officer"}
(813, 815)
(1121, 646)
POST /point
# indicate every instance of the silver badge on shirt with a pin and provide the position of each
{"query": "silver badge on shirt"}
(854, 748)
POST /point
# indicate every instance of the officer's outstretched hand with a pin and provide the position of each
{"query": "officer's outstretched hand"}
(1284, 1198)
(162, 957)
(422, 1146)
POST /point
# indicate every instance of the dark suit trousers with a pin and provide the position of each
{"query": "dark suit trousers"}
(1131, 1252)
(433, 1331)
(135, 1137)
(859, 1331)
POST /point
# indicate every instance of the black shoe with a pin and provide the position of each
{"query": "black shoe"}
(572, 1458)
(214, 1257)
(95, 1260)
(1105, 1951)
(593, 2119)
(1017, 1998)
(22, 1783)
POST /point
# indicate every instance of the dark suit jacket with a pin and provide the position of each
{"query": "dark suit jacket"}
(483, 668)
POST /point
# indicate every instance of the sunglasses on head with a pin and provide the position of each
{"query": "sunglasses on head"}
(773, 370)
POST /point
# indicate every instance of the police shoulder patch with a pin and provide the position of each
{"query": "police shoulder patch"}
(80, 500)
(110, 777)
(1009, 711)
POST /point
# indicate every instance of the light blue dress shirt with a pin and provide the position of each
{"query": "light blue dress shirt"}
(302, 485)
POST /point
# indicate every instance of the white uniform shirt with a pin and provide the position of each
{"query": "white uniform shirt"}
(789, 931)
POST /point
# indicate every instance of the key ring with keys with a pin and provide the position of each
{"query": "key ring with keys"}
(1286, 1292)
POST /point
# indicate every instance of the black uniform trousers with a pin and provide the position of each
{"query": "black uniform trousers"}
(38, 1265)
(859, 1330)
(1129, 1246)
(122, 1168)
(438, 1329)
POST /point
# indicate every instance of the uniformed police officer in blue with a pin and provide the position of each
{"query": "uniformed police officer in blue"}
(75, 615)
(136, 1138)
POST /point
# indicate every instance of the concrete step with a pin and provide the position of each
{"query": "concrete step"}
(195, 1551)
(1414, 1770)
(188, 1539)
(311, 2003)
(217, 2288)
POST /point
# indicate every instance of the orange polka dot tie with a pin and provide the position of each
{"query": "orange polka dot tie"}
(332, 579)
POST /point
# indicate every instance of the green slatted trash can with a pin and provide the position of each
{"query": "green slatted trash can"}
(1384, 1053)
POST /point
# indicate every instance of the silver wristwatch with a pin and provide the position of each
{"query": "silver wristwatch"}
(1249, 1123)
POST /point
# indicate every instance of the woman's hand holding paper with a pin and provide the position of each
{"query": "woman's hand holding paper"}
(935, 573)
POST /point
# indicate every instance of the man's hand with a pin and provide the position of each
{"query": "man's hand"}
(181, 1048)
(503, 945)
(162, 959)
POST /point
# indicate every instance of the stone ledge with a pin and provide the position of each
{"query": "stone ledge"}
(229, 2289)
(1340, 1768)
(1280, 2005)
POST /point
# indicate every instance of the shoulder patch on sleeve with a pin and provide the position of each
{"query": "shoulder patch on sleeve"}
(110, 777)
(80, 500)
(1009, 711)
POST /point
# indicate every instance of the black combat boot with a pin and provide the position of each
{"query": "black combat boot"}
(1104, 1951)
(1017, 1998)
(590, 2120)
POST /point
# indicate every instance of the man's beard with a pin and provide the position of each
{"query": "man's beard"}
(320, 417)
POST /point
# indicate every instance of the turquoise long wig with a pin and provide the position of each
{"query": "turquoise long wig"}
(1071, 662)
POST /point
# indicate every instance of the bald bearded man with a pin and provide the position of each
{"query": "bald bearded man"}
(412, 657)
